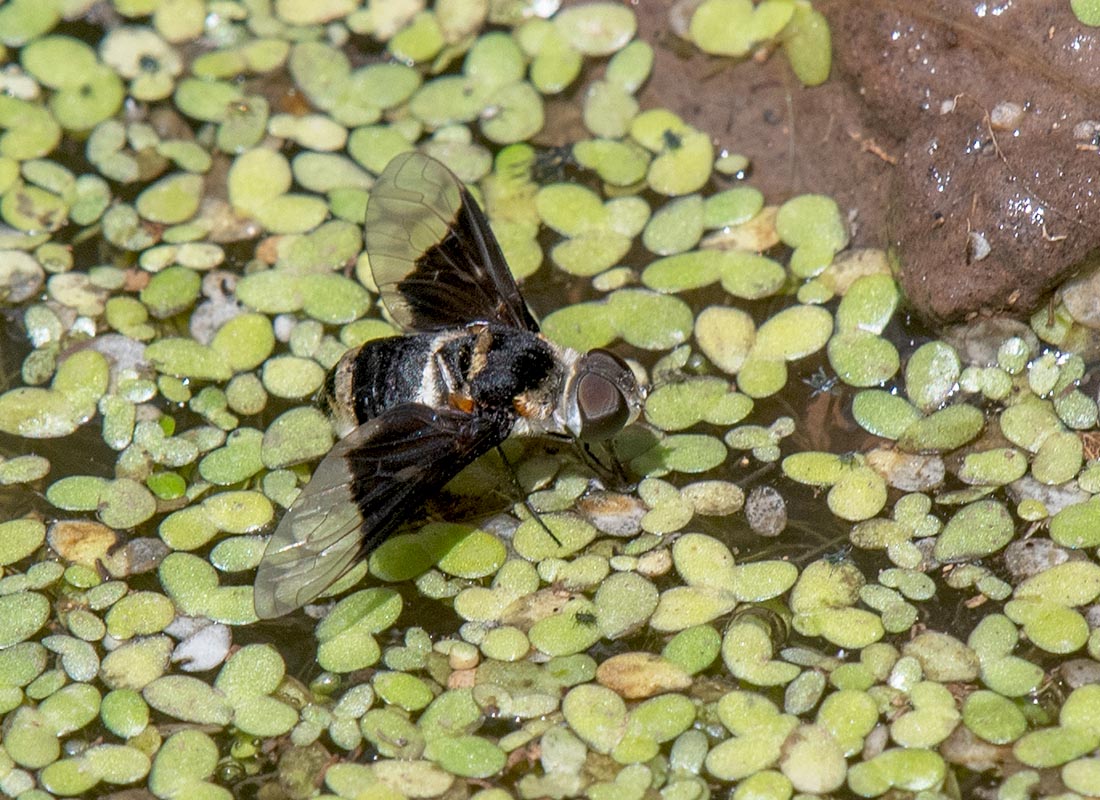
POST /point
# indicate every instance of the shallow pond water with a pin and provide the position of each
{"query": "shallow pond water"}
(839, 554)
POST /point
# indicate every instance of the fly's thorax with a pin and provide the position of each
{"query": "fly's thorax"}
(446, 371)
(538, 409)
(515, 370)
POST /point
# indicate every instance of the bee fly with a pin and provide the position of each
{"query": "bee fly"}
(414, 410)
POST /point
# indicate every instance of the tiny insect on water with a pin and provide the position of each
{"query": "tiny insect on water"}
(413, 410)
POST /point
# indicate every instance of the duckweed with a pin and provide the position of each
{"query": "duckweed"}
(634, 635)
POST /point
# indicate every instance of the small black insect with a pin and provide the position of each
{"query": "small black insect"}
(821, 382)
(414, 410)
(585, 618)
(551, 163)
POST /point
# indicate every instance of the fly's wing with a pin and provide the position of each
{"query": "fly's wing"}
(433, 256)
(363, 489)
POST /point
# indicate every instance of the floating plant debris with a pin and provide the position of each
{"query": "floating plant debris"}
(844, 556)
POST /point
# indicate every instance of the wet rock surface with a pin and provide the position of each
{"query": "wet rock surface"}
(997, 176)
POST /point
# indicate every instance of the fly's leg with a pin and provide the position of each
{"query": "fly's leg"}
(612, 475)
(526, 501)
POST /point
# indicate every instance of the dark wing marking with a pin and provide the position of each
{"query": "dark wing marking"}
(432, 253)
(364, 488)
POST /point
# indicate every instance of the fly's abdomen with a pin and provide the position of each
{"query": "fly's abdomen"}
(388, 372)
(375, 376)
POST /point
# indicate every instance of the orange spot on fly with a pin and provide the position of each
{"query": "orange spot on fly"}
(463, 402)
(524, 407)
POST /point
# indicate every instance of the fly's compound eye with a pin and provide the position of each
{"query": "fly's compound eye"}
(602, 402)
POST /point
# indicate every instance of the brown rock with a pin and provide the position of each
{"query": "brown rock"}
(983, 219)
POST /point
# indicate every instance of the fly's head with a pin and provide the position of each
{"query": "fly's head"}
(601, 396)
